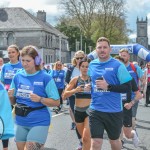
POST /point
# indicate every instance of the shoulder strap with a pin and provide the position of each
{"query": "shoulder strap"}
(133, 67)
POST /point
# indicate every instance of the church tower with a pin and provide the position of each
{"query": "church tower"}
(142, 36)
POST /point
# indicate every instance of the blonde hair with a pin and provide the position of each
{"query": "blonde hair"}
(74, 63)
(55, 65)
(124, 50)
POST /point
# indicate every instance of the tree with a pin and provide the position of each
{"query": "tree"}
(98, 18)
(74, 35)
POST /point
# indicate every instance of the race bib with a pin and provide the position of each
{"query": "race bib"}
(24, 91)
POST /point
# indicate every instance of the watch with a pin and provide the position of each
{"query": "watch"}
(109, 87)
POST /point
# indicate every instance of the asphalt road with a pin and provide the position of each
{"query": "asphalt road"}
(60, 136)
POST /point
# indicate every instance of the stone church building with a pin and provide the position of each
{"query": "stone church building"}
(18, 26)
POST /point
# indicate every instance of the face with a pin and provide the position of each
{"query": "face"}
(28, 64)
(125, 56)
(148, 65)
(79, 57)
(59, 65)
(103, 50)
(13, 54)
(84, 68)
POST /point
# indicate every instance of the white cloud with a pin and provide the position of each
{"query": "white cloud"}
(49, 6)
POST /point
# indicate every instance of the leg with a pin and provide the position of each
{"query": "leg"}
(147, 95)
(86, 137)
(115, 144)
(82, 125)
(96, 144)
(96, 129)
(134, 112)
(33, 146)
(20, 145)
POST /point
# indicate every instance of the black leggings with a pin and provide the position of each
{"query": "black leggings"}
(5, 143)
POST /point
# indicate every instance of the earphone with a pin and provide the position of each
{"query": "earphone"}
(37, 59)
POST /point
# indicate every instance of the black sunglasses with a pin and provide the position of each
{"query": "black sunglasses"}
(79, 58)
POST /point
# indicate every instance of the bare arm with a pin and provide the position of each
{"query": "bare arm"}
(70, 89)
(11, 96)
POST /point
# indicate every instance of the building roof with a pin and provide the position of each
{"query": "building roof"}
(15, 18)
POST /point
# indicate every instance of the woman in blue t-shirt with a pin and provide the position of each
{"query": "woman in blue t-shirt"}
(32, 90)
(8, 71)
(58, 74)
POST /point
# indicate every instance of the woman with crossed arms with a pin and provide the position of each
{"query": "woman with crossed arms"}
(78, 86)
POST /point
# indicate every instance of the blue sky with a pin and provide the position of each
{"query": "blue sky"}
(134, 9)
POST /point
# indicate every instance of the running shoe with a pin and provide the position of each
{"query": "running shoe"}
(73, 126)
(135, 139)
(80, 146)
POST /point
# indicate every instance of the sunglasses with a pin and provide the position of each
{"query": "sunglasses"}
(79, 58)
(59, 65)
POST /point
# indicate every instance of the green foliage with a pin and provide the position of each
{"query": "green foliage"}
(74, 34)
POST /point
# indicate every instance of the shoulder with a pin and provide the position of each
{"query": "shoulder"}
(74, 80)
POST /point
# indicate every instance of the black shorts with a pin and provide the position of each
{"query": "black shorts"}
(80, 116)
(127, 117)
(100, 121)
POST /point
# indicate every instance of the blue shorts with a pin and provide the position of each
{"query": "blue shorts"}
(32, 134)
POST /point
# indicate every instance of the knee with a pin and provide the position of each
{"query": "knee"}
(96, 143)
(128, 135)
(86, 139)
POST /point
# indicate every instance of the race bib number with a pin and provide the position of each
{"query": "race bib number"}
(9, 74)
(24, 91)
(58, 80)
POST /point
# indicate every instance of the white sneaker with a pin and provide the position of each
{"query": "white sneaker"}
(135, 139)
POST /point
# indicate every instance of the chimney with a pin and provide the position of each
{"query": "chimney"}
(41, 15)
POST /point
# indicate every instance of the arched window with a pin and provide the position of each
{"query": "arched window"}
(10, 39)
(1, 39)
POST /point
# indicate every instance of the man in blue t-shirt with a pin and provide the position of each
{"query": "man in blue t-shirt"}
(105, 112)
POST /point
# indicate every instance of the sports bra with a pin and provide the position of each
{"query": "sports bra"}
(83, 94)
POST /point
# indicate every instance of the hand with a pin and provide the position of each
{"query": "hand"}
(128, 105)
(35, 97)
(79, 89)
(101, 84)
(11, 92)
(87, 87)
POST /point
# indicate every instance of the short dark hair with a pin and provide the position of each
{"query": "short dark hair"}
(84, 60)
(103, 39)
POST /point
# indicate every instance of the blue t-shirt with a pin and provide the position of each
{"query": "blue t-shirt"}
(59, 78)
(5, 114)
(39, 83)
(115, 73)
(8, 72)
(135, 75)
